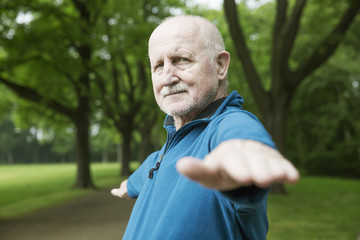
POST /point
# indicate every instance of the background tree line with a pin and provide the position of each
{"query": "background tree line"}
(75, 82)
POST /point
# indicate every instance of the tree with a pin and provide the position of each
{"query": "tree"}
(54, 29)
(123, 82)
(92, 70)
(329, 145)
(274, 103)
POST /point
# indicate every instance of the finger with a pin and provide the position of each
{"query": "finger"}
(275, 169)
(292, 174)
(269, 166)
(193, 168)
(116, 192)
(196, 170)
(238, 170)
(260, 171)
(121, 191)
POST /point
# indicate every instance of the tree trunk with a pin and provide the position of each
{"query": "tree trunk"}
(145, 132)
(10, 157)
(144, 147)
(275, 117)
(104, 156)
(299, 142)
(126, 152)
(275, 121)
(83, 177)
(82, 125)
(119, 155)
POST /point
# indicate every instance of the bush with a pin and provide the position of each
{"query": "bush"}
(343, 161)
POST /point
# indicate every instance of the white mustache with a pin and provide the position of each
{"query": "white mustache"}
(168, 90)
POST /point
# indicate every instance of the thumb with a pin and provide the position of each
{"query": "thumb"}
(198, 171)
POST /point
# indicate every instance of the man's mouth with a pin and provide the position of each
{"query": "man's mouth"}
(174, 93)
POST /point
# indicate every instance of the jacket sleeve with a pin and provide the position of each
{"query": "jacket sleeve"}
(247, 199)
(242, 125)
(138, 179)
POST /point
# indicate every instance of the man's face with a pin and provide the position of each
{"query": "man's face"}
(184, 76)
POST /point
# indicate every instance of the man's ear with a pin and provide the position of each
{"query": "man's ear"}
(223, 61)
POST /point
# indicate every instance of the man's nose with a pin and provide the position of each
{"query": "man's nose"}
(170, 74)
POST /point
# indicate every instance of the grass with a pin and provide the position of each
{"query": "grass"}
(316, 208)
(25, 188)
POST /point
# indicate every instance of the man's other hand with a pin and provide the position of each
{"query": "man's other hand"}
(121, 192)
(237, 163)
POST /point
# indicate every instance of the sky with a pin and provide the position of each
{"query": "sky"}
(217, 4)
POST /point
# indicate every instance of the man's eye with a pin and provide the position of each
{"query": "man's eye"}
(160, 65)
(181, 60)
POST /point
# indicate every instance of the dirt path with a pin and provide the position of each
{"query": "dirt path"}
(96, 216)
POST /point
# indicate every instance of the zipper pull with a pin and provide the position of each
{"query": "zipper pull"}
(151, 173)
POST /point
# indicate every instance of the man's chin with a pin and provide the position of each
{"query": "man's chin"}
(176, 111)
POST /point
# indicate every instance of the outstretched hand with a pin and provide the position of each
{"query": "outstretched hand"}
(121, 192)
(237, 163)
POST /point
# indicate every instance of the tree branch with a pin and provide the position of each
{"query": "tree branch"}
(276, 59)
(291, 28)
(283, 40)
(243, 52)
(57, 68)
(130, 91)
(280, 19)
(34, 96)
(12, 63)
(83, 10)
(326, 48)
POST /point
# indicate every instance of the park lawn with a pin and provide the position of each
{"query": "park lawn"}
(316, 208)
(25, 188)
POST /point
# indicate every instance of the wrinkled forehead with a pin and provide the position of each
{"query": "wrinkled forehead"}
(179, 30)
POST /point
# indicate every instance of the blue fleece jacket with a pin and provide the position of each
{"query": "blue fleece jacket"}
(170, 206)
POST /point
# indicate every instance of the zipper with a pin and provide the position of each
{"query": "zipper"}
(168, 144)
(157, 165)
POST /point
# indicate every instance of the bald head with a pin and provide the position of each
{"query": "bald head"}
(198, 28)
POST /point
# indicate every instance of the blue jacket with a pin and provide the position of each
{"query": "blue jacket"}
(170, 206)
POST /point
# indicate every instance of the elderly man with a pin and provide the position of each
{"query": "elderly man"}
(211, 178)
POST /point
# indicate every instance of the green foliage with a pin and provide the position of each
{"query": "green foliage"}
(343, 161)
(324, 127)
(32, 145)
(319, 19)
(5, 103)
(258, 25)
(323, 132)
(61, 48)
